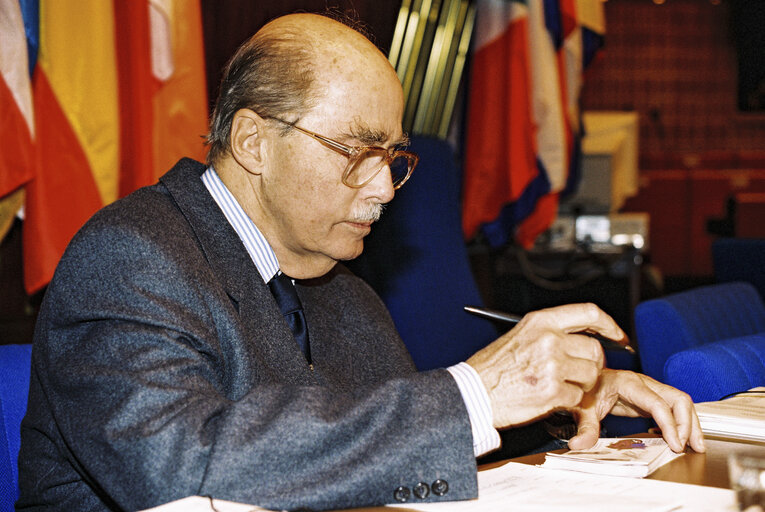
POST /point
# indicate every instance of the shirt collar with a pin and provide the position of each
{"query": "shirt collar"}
(255, 243)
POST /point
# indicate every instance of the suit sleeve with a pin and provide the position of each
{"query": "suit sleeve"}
(133, 368)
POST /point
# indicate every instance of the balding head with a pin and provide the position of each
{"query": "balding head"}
(301, 105)
(285, 69)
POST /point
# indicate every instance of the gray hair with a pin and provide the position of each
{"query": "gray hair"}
(270, 74)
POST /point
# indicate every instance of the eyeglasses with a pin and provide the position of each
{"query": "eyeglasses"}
(364, 162)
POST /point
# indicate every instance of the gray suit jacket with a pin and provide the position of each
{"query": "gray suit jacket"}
(163, 368)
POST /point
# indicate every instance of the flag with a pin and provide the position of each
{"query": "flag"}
(180, 105)
(17, 128)
(547, 106)
(548, 126)
(582, 42)
(75, 102)
(162, 85)
(591, 20)
(499, 133)
(118, 95)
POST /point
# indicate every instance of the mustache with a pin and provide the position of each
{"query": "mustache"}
(370, 212)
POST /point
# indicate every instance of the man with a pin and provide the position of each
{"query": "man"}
(163, 366)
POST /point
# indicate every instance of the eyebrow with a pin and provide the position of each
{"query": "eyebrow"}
(371, 137)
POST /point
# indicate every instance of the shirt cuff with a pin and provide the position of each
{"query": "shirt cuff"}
(485, 436)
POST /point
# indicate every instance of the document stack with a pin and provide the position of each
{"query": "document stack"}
(739, 417)
(634, 457)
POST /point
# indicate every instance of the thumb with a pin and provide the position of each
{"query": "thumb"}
(587, 432)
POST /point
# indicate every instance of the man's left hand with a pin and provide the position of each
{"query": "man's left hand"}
(626, 393)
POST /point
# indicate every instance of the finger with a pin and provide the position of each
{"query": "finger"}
(568, 396)
(696, 438)
(689, 428)
(664, 417)
(587, 430)
(583, 317)
(671, 409)
(582, 372)
(683, 411)
(584, 347)
(591, 318)
(601, 324)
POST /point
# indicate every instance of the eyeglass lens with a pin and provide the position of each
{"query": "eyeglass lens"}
(370, 162)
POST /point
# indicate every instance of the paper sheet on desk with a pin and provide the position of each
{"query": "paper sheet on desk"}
(522, 488)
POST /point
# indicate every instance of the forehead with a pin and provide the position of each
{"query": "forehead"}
(359, 97)
(361, 114)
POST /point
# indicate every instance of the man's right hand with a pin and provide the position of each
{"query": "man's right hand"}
(542, 365)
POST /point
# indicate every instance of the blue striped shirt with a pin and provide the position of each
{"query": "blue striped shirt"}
(257, 247)
(485, 437)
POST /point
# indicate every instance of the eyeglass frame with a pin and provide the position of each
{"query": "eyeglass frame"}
(353, 152)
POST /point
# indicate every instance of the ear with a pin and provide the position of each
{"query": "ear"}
(247, 140)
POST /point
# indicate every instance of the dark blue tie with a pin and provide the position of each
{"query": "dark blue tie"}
(289, 303)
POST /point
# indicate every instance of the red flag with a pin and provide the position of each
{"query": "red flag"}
(16, 111)
(74, 91)
(137, 88)
(547, 101)
(162, 87)
(500, 153)
(520, 153)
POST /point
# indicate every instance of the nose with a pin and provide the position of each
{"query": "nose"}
(381, 186)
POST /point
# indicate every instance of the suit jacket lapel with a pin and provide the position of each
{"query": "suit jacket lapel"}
(260, 316)
(218, 240)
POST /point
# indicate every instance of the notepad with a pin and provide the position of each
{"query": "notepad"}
(616, 456)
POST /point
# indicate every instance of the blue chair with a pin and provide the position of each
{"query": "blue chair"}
(712, 371)
(707, 327)
(14, 388)
(416, 260)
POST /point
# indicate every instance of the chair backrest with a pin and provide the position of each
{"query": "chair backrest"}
(416, 260)
(695, 317)
(710, 372)
(14, 389)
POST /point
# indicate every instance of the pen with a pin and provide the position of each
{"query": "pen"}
(493, 314)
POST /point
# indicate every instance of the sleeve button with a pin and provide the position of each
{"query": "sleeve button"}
(401, 494)
(421, 490)
(440, 487)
